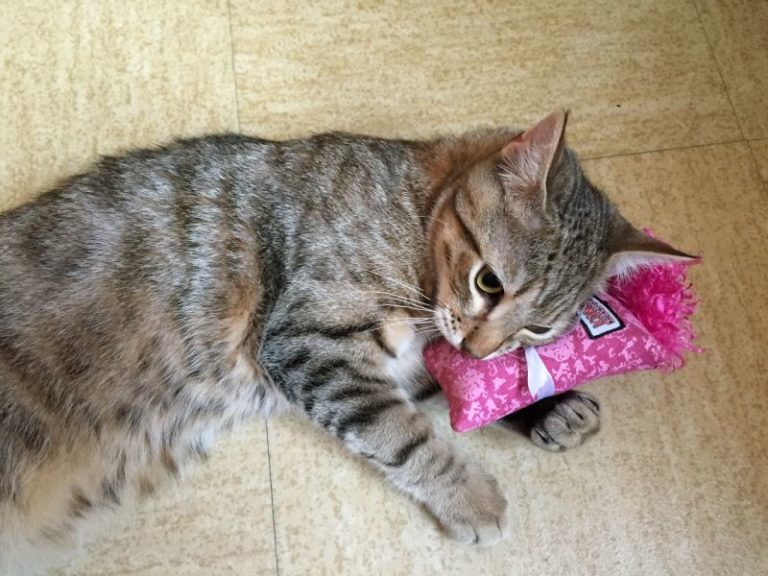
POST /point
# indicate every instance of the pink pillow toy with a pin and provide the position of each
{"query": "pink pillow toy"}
(639, 323)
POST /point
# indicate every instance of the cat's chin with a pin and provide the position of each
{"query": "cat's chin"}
(500, 352)
(495, 354)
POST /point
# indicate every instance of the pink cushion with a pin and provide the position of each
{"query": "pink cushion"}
(608, 340)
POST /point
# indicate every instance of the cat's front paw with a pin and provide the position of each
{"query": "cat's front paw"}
(471, 509)
(573, 417)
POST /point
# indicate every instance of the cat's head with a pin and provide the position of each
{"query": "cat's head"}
(519, 239)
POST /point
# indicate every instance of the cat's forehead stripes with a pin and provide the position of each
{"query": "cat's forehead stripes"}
(527, 286)
(463, 227)
(461, 271)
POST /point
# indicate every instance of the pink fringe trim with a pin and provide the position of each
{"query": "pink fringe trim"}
(663, 300)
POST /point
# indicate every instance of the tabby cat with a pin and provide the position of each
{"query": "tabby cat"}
(169, 294)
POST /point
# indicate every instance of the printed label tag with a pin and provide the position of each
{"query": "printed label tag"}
(598, 319)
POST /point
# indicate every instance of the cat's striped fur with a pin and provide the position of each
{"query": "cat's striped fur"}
(171, 293)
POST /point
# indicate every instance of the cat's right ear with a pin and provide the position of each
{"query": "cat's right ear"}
(629, 248)
(528, 158)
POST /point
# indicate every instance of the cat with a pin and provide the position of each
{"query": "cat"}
(169, 294)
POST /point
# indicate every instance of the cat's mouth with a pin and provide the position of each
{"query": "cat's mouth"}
(501, 350)
(450, 329)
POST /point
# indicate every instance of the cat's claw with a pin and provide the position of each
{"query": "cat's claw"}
(573, 418)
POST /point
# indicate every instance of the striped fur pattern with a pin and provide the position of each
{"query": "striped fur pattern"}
(169, 294)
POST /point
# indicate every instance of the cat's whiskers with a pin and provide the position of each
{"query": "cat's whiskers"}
(411, 321)
(402, 301)
(406, 285)
(400, 296)
(414, 289)
(419, 323)
(411, 308)
(426, 329)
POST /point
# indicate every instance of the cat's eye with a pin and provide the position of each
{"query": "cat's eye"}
(538, 329)
(487, 282)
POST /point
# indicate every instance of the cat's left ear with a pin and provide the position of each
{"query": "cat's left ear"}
(528, 158)
(629, 248)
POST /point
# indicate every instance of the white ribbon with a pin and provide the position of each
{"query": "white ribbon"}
(540, 382)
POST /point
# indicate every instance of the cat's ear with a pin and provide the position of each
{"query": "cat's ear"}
(528, 158)
(629, 248)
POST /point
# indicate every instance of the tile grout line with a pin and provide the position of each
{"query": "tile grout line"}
(757, 167)
(266, 421)
(717, 65)
(232, 62)
(671, 149)
(272, 499)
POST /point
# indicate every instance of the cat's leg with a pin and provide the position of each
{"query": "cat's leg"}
(560, 422)
(375, 420)
(398, 438)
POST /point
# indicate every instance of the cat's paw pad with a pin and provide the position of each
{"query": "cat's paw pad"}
(473, 510)
(574, 417)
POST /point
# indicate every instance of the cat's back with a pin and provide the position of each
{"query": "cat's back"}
(154, 222)
(137, 182)
(146, 230)
(130, 187)
(123, 212)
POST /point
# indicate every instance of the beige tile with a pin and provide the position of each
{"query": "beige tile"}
(87, 78)
(636, 78)
(676, 483)
(760, 151)
(217, 522)
(737, 30)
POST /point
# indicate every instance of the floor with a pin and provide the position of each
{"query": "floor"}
(669, 102)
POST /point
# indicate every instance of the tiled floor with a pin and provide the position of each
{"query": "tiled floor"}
(669, 102)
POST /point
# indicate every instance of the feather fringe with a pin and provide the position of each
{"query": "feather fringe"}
(663, 300)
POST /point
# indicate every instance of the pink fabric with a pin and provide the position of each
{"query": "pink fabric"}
(480, 392)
